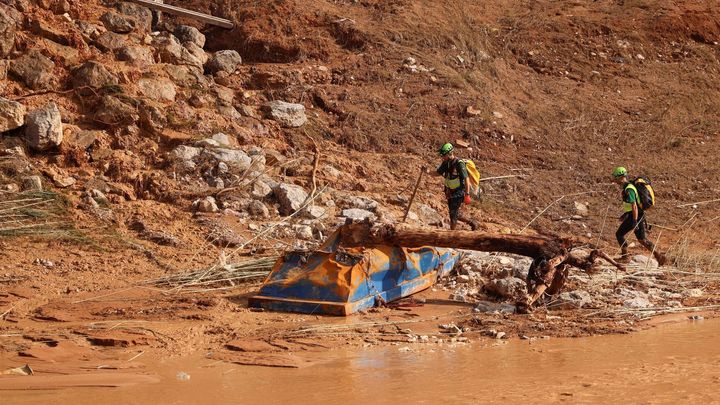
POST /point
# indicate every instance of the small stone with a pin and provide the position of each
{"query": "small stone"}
(694, 293)
(696, 317)
(206, 204)
(43, 128)
(303, 232)
(260, 189)
(637, 302)
(581, 209)
(462, 279)
(32, 183)
(358, 214)
(258, 209)
(500, 335)
(315, 212)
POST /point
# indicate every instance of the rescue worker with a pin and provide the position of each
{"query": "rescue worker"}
(633, 218)
(457, 186)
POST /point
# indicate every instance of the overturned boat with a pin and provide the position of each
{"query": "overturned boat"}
(340, 281)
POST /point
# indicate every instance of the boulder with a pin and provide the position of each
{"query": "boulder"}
(223, 61)
(291, 197)
(8, 29)
(139, 56)
(510, 287)
(358, 214)
(12, 115)
(34, 69)
(572, 300)
(110, 41)
(43, 128)
(160, 89)
(113, 111)
(141, 15)
(118, 23)
(288, 115)
(93, 74)
(170, 50)
(185, 33)
(258, 209)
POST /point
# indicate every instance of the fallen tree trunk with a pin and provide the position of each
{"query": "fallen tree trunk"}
(368, 235)
(552, 256)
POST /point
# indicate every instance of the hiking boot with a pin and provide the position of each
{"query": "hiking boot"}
(661, 258)
(624, 259)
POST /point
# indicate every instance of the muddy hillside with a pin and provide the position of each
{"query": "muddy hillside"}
(139, 149)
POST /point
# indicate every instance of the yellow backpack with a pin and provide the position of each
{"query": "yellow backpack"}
(473, 173)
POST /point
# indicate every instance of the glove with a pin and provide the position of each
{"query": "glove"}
(467, 199)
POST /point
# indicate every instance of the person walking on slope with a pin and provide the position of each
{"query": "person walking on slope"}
(457, 186)
(633, 217)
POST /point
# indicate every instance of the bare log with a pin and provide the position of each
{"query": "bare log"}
(366, 234)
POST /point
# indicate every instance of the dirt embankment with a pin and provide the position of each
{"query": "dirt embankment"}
(153, 124)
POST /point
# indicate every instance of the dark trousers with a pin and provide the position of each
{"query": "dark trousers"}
(628, 224)
(454, 205)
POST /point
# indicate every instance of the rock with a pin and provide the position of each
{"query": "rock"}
(65, 54)
(118, 23)
(142, 15)
(581, 209)
(113, 111)
(494, 307)
(99, 197)
(34, 69)
(500, 335)
(153, 115)
(139, 56)
(505, 261)
(170, 50)
(196, 51)
(694, 293)
(157, 89)
(229, 112)
(352, 201)
(510, 287)
(315, 212)
(206, 204)
(572, 300)
(8, 29)
(223, 61)
(303, 232)
(428, 215)
(291, 197)
(644, 262)
(186, 76)
(463, 279)
(331, 171)
(110, 41)
(260, 189)
(43, 128)
(258, 209)
(232, 157)
(286, 114)
(186, 33)
(12, 115)
(521, 268)
(50, 31)
(184, 152)
(358, 214)
(637, 302)
(93, 74)
(32, 183)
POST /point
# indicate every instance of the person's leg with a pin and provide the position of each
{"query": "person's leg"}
(454, 205)
(641, 235)
(625, 227)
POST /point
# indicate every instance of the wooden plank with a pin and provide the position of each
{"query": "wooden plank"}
(206, 18)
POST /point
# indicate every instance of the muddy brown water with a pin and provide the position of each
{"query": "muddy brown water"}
(672, 363)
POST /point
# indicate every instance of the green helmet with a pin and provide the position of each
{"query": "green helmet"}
(619, 171)
(445, 149)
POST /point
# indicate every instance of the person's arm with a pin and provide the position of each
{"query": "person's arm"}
(635, 212)
(463, 176)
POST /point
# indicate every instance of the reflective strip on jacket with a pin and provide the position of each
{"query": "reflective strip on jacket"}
(627, 207)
